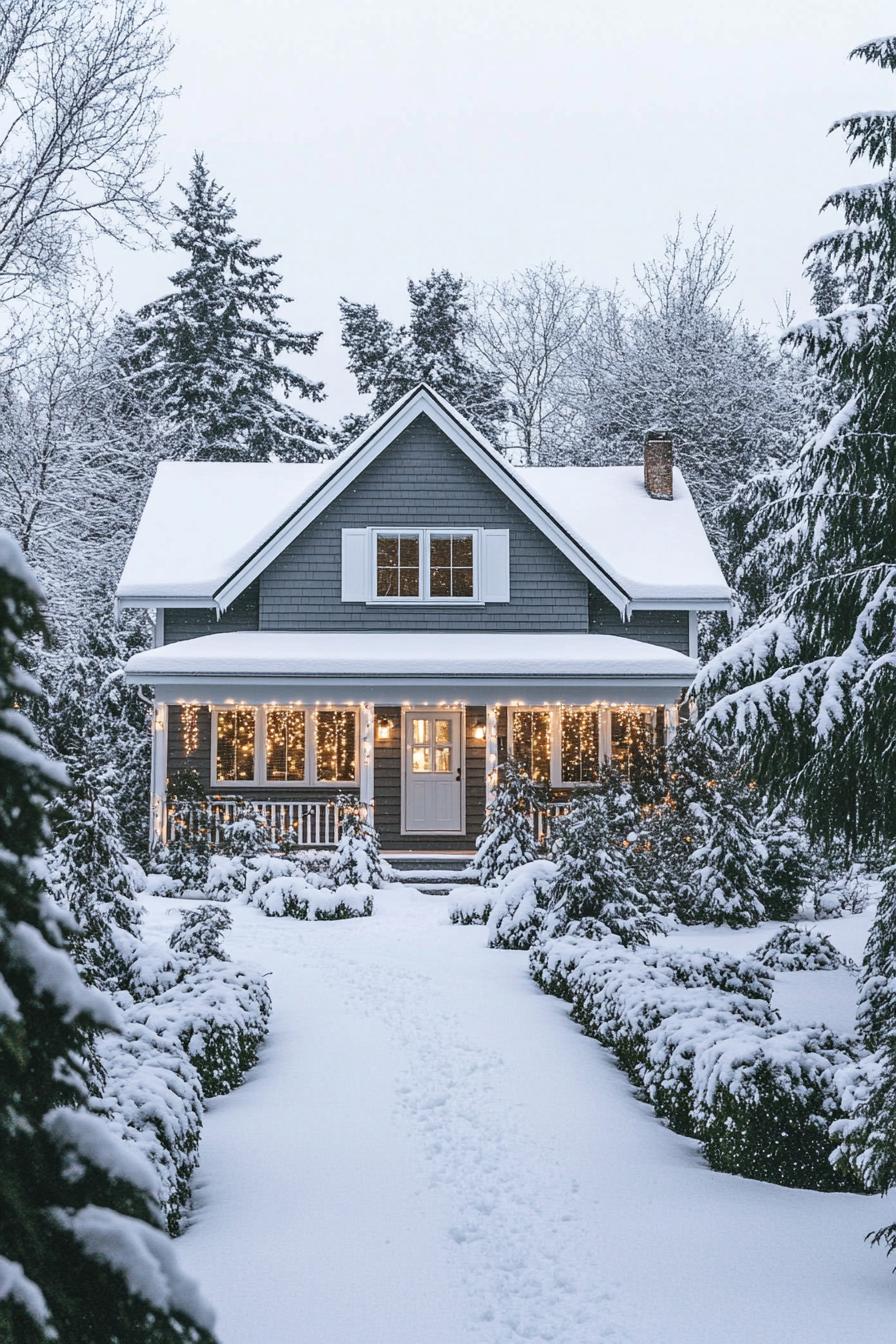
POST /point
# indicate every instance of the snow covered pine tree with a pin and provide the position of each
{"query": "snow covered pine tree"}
(80, 1262)
(508, 838)
(209, 352)
(808, 689)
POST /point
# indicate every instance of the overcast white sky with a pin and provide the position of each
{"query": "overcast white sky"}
(368, 142)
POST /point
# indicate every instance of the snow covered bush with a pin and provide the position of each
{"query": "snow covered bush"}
(226, 879)
(788, 869)
(356, 859)
(198, 936)
(765, 1101)
(245, 835)
(795, 949)
(472, 906)
(151, 1095)
(508, 838)
(520, 900)
(188, 852)
(219, 1014)
(843, 891)
(863, 1153)
(595, 888)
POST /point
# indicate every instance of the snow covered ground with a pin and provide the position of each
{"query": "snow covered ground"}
(431, 1153)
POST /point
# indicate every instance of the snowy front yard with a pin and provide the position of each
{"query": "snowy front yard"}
(431, 1153)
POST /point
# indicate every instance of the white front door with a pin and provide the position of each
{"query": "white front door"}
(433, 775)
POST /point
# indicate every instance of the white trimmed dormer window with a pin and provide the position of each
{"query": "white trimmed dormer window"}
(425, 564)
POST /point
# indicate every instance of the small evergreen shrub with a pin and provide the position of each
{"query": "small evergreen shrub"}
(198, 936)
(842, 891)
(245, 835)
(519, 906)
(294, 896)
(789, 867)
(795, 949)
(473, 906)
(226, 880)
(356, 859)
(508, 838)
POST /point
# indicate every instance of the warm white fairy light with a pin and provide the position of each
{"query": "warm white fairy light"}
(189, 722)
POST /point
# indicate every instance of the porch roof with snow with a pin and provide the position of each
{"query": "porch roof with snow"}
(380, 665)
(208, 529)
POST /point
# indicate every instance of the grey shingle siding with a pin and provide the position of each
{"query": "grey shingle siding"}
(191, 622)
(421, 479)
(668, 628)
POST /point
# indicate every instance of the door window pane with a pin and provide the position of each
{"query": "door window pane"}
(285, 745)
(420, 760)
(443, 730)
(397, 566)
(235, 751)
(531, 738)
(579, 746)
(443, 760)
(421, 730)
(334, 744)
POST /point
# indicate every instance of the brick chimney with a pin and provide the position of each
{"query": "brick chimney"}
(658, 459)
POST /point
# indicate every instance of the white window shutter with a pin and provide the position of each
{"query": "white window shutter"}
(354, 564)
(495, 565)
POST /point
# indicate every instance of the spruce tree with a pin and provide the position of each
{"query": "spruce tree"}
(210, 352)
(79, 1261)
(387, 361)
(788, 868)
(508, 835)
(596, 891)
(808, 689)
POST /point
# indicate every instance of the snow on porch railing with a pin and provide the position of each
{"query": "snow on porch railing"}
(316, 824)
(544, 819)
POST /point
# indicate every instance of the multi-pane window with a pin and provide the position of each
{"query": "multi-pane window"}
(431, 746)
(425, 565)
(531, 741)
(451, 565)
(397, 564)
(284, 746)
(579, 746)
(235, 746)
(335, 745)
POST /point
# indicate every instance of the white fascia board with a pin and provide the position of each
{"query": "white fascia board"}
(389, 690)
(153, 600)
(681, 604)
(368, 448)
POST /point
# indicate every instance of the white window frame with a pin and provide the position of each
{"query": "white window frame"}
(260, 780)
(424, 536)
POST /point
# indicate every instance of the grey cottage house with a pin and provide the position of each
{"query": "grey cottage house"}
(393, 622)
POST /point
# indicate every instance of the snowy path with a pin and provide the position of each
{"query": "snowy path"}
(430, 1153)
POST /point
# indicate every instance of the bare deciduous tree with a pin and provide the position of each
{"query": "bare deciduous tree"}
(80, 103)
(525, 330)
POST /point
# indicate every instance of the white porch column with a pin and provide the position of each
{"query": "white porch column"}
(491, 752)
(365, 774)
(671, 723)
(158, 774)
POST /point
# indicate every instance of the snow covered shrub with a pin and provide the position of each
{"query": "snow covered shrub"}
(356, 858)
(843, 891)
(765, 1100)
(198, 936)
(294, 896)
(245, 835)
(219, 1013)
(262, 869)
(472, 906)
(796, 949)
(152, 1096)
(863, 1154)
(520, 901)
(508, 839)
(595, 890)
(189, 852)
(788, 867)
(226, 880)
(345, 902)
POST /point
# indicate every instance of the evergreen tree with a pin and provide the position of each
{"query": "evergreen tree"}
(79, 1260)
(508, 835)
(595, 891)
(199, 934)
(808, 689)
(877, 1025)
(356, 857)
(210, 352)
(788, 868)
(672, 830)
(726, 877)
(434, 348)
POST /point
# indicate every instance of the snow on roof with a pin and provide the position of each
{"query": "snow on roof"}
(655, 548)
(374, 653)
(202, 518)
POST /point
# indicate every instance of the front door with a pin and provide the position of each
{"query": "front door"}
(433, 776)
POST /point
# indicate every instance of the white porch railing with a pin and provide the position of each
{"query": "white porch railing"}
(545, 819)
(315, 824)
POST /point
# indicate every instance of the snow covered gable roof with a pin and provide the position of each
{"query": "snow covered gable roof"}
(209, 529)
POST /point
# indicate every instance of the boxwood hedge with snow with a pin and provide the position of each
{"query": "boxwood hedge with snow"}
(519, 903)
(696, 1033)
(219, 1014)
(792, 948)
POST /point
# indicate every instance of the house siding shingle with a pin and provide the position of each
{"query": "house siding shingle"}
(667, 627)
(192, 622)
(421, 480)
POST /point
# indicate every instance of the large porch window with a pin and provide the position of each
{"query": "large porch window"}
(284, 745)
(564, 746)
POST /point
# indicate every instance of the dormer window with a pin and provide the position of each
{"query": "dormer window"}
(398, 564)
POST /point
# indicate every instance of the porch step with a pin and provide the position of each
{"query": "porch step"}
(431, 872)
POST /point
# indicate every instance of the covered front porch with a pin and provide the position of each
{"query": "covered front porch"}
(411, 726)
